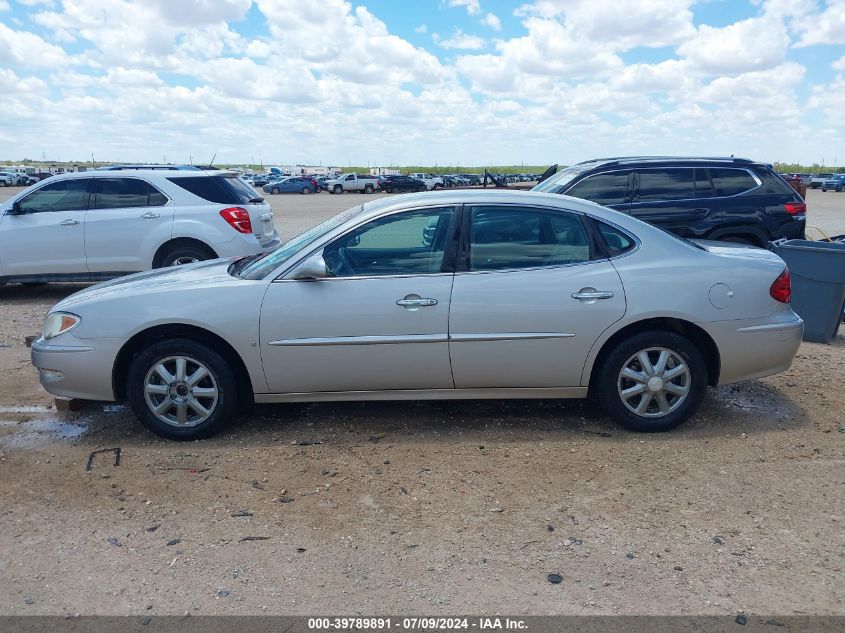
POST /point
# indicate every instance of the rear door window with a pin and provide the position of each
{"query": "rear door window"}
(663, 185)
(506, 238)
(117, 193)
(703, 186)
(606, 189)
(732, 182)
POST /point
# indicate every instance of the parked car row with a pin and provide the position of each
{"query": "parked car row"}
(16, 179)
(365, 183)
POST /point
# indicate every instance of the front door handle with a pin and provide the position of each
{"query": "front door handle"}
(69, 222)
(149, 215)
(591, 294)
(415, 301)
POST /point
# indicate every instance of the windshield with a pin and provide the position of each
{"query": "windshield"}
(556, 183)
(262, 267)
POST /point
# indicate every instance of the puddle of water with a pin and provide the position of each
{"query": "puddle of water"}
(30, 409)
(32, 433)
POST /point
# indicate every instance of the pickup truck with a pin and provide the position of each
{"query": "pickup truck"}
(431, 181)
(835, 182)
(817, 180)
(352, 182)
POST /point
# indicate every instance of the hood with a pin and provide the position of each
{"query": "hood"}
(744, 251)
(212, 272)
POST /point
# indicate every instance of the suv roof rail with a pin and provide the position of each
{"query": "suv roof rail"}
(640, 159)
(146, 167)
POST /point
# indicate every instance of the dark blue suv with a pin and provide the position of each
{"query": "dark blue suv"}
(729, 199)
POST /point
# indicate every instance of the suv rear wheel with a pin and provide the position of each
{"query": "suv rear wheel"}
(652, 382)
(185, 254)
(181, 389)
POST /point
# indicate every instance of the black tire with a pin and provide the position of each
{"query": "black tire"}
(823, 189)
(305, 190)
(437, 187)
(274, 190)
(368, 189)
(337, 189)
(609, 379)
(222, 374)
(421, 188)
(185, 252)
(389, 189)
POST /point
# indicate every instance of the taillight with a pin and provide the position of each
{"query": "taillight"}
(781, 289)
(238, 219)
(796, 208)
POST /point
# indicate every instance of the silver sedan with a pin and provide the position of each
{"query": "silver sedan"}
(468, 294)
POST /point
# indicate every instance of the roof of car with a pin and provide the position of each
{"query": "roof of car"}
(108, 173)
(625, 160)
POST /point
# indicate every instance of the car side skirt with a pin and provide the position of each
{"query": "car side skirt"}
(66, 277)
(426, 394)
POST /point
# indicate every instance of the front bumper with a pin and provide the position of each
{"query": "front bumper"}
(76, 368)
(755, 348)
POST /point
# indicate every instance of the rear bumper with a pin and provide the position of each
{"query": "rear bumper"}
(757, 347)
(77, 368)
(241, 245)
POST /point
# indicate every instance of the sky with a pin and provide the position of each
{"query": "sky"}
(421, 82)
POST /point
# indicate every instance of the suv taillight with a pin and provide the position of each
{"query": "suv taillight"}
(238, 219)
(781, 289)
(796, 208)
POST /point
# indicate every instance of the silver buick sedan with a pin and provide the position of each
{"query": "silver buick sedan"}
(467, 294)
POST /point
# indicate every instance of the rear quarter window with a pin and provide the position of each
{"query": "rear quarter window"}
(217, 189)
(609, 188)
(732, 182)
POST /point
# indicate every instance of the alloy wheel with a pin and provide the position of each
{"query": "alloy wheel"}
(180, 391)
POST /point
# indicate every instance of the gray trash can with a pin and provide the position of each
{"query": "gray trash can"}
(818, 284)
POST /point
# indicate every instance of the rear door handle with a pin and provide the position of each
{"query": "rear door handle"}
(588, 294)
(149, 215)
(69, 222)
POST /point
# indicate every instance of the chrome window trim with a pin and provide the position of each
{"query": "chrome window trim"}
(716, 197)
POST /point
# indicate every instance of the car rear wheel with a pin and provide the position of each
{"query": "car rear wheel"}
(185, 254)
(421, 188)
(652, 382)
(368, 189)
(181, 389)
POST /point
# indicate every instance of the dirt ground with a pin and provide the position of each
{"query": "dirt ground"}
(430, 507)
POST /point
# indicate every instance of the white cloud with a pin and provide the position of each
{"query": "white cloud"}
(23, 49)
(752, 44)
(422, 28)
(461, 41)
(4, 6)
(827, 27)
(473, 7)
(493, 21)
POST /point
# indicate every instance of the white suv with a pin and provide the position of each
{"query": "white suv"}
(101, 224)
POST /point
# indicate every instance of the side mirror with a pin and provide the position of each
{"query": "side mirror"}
(15, 209)
(312, 268)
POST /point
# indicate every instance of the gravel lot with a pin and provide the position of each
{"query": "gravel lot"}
(453, 507)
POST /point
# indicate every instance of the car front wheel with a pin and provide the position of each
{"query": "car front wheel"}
(181, 389)
(652, 382)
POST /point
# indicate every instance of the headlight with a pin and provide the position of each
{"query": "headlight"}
(58, 323)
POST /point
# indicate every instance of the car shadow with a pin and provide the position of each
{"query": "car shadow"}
(751, 407)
